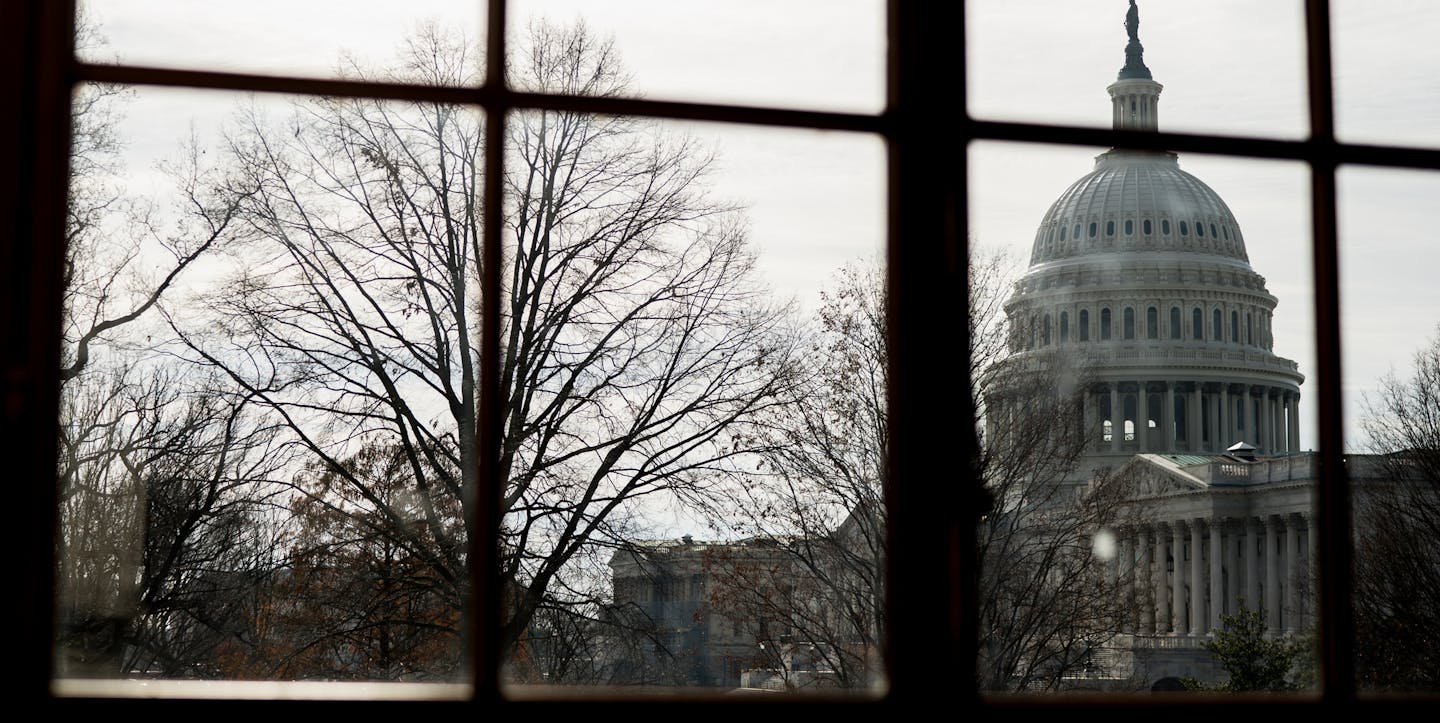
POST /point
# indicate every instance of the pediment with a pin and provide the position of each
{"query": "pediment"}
(1154, 476)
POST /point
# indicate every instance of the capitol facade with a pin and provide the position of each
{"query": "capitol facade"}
(1139, 275)
(1140, 302)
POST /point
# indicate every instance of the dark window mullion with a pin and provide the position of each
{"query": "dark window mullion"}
(486, 584)
(1336, 553)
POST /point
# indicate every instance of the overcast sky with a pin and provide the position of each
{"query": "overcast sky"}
(816, 200)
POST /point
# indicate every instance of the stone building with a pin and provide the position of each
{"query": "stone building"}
(1139, 273)
(666, 596)
(1140, 281)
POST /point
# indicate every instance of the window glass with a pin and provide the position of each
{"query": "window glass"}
(1217, 96)
(256, 479)
(319, 38)
(1381, 55)
(742, 264)
(1392, 376)
(819, 54)
(1124, 406)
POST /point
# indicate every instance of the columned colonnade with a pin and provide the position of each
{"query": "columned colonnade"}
(1182, 575)
(1192, 416)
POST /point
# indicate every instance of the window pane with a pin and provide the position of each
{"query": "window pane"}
(1117, 533)
(1229, 66)
(318, 38)
(268, 396)
(696, 349)
(1385, 55)
(1392, 399)
(820, 54)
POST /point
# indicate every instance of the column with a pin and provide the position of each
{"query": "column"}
(1291, 613)
(1311, 542)
(1167, 416)
(1144, 607)
(1126, 570)
(1177, 579)
(1224, 421)
(1217, 572)
(1195, 433)
(1293, 420)
(1251, 554)
(1247, 414)
(1272, 575)
(1262, 429)
(992, 409)
(1117, 425)
(1234, 579)
(1197, 579)
(1091, 432)
(1142, 417)
(1162, 591)
(1277, 421)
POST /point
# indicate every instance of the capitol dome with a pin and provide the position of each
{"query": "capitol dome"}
(1141, 297)
(1137, 201)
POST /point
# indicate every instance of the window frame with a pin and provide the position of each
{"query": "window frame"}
(931, 625)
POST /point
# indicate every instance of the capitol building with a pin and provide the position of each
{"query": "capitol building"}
(1139, 274)
(1140, 302)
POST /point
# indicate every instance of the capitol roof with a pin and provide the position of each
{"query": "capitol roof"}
(1133, 201)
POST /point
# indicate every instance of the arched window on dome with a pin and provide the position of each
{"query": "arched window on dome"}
(1235, 327)
(1165, 226)
(1104, 325)
(1184, 229)
(1129, 227)
(1084, 325)
(1199, 229)
(1129, 323)
(1148, 228)
(1064, 326)
(1175, 322)
(1212, 232)
(1225, 230)
(1109, 228)
(1249, 328)
(1217, 328)
(1197, 324)
(1093, 227)
(1045, 331)
(1152, 323)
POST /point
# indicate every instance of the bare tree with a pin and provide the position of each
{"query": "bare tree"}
(159, 511)
(1397, 531)
(808, 584)
(162, 526)
(1047, 606)
(636, 345)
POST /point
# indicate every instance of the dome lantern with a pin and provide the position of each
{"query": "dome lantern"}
(1135, 96)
